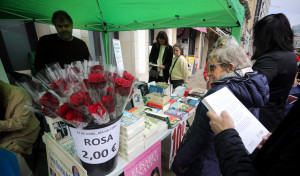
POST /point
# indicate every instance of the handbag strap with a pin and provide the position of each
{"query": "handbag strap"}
(173, 67)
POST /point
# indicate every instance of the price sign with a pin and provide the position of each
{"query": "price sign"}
(176, 138)
(97, 146)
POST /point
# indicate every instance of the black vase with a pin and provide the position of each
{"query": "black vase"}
(106, 167)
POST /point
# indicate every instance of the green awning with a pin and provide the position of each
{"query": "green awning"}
(126, 15)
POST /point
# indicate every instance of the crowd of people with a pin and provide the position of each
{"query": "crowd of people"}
(211, 146)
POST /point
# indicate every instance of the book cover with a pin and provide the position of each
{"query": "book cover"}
(141, 110)
(130, 121)
(150, 128)
(156, 89)
(176, 105)
(174, 121)
(249, 128)
(176, 113)
(137, 98)
(58, 128)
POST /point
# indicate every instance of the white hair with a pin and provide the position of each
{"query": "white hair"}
(232, 54)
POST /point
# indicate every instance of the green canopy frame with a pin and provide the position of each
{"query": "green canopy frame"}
(126, 15)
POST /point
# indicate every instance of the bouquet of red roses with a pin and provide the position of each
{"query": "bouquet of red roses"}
(84, 93)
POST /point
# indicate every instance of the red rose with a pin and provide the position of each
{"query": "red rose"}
(80, 98)
(49, 101)
(75, 115)
(97, 69)
(97, 109)
(127, 83)
(123, 86)
(97, 80)
(128, 76)
(63, 110)
(119, 81)
(60, 86)
(108, 103)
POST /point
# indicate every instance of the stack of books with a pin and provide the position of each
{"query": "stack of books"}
(154, 128)
(131, 136)
(189, 100)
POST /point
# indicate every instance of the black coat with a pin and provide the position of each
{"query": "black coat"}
(167, 58)
(278, 156)
(280, 68)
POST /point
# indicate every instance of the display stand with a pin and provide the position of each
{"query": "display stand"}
(121, 162)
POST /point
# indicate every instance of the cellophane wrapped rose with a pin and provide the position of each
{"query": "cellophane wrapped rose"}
(83, 94)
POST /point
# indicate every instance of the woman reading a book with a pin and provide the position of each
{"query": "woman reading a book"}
(229, 68)
(179, 67)
(160, 58)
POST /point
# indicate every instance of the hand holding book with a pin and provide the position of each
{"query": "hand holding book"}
(220, 123)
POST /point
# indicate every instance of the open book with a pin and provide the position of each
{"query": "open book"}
(249, 128)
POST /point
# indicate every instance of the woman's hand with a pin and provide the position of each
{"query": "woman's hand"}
(220, 123)
(264, 139)
(161, 66)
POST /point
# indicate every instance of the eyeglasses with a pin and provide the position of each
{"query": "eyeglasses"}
(213, 66)
(221, 44)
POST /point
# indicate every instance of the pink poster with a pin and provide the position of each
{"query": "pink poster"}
(147, 164)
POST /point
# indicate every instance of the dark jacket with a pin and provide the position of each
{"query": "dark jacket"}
(196, 154)
(167, 58)
(52, 49)
(280, 68)
(278, 156)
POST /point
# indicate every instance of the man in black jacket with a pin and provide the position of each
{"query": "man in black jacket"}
(61, 47)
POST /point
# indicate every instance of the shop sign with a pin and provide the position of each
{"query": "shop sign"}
(98, 145)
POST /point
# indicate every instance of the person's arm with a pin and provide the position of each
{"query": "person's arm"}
(20, 116)
(231, 152)
(232, 156)
(153, 53)
(266, 65)
(39, 56)
(169, 55)
(87, 53)
(184, 68)
(196, 144)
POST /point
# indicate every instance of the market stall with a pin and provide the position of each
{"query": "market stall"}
(119, 15)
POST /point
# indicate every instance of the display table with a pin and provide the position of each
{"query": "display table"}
(57, 155)
(122, 163)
